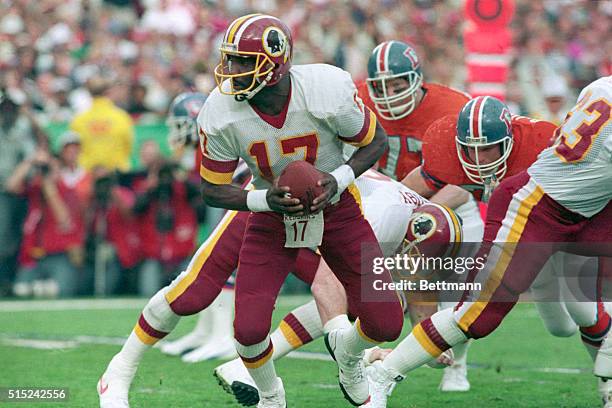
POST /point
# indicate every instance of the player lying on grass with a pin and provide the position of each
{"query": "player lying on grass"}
(562, 198)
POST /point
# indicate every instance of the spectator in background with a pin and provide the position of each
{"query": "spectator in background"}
(556, 97)
(113, 242)
(168, 211)
(17, 144)
(137, 108)
(106, 131)
(52, 249)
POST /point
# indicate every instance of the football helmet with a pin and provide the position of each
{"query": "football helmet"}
(434, 230)
(181, 120)
(484, 122)
(391, 60)
(262, 37)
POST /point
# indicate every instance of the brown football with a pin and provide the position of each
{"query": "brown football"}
(301, 177)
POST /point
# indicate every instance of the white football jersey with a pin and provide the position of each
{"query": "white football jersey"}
(323, 112)
(387, 205)
(577, 171)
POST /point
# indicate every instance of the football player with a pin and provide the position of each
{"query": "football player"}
(561, 198)
(477, 148)
(405, 106)
(476, 151)
(213, 334)
(393, 211)
(270, 113)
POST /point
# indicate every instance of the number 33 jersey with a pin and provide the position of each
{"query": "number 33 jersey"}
(322, 112)
(577, 170)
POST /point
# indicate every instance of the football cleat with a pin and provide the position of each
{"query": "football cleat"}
(605, 392)
(381, 385)
(455, 378)
(273, 399)
(114, 384)
(603, 361)
(186, 343)
(222, 348)
(351, 369)
(236, 380)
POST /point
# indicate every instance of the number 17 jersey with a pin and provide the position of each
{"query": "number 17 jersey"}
(577, 170)
(322, 112)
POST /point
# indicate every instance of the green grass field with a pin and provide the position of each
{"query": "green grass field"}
(520, 365)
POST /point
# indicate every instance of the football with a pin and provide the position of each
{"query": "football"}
(301, 177)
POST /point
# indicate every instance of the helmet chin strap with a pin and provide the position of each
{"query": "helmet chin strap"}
(250, 94)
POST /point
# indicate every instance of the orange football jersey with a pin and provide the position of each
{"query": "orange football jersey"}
(441, 165)
(406, 135)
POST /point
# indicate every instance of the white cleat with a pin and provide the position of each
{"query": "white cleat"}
(222, 348)
(381, 384)
(273, 399)
(236, 380)
(605, 392)
(351, 369)
(114, 384)
(186, 343)
(603, 361)
(455, 378)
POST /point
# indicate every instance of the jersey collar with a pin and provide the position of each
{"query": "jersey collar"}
(277, 121)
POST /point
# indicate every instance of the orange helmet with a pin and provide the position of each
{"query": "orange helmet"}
(259, 36)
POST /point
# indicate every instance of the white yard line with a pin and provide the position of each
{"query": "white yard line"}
(109, 304)
(51, 343)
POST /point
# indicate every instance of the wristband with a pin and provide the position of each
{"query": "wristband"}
(257, 202)
(344, 176)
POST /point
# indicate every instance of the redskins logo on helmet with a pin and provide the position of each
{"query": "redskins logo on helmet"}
(265, 45)
(434, 230)
(274, 41)
(423, 226)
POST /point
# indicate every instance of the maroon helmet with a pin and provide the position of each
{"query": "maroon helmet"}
(259, 36)
(434, 230)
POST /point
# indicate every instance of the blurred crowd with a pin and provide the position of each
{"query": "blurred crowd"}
(145, 52)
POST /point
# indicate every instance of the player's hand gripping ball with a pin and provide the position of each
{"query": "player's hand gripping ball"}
(302, 179)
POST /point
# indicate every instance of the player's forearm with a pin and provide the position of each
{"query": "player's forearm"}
(451, 196)
(365, 157)
(224, 196)
(415, 181)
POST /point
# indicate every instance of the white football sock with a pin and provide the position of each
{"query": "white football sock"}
(258, 360)
(299, 327)
(418, 348)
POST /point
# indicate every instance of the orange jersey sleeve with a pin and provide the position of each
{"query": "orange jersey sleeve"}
(406, 135)
(530, 138)
(440, 163)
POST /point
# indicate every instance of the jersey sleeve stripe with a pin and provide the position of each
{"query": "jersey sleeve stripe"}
(215, 177)
(366, 134)
(219, 166)
(431, 181)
